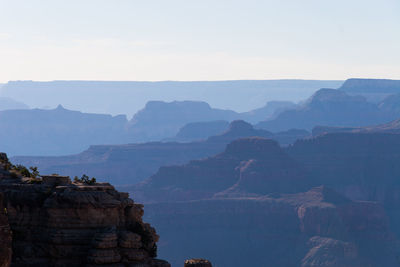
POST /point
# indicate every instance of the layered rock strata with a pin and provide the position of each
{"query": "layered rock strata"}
(58, 223)
(316, 228)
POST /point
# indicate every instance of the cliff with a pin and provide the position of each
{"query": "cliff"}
(58, 223)
(316, 228)
(247, 167)
(255, 191)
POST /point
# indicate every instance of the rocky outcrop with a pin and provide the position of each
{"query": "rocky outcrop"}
(197, 263)
(58, 223)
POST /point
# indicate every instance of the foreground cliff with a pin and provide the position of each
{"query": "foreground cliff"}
(58, 223)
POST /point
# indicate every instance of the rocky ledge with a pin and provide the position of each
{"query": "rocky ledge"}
(58, 223)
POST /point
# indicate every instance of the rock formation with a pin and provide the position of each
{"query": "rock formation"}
(316, 228)
(248, 167)
(197, 263)
(58, 223)
(132, 163)
(254, 191)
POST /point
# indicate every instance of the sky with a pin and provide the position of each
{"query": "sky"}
(198, 39)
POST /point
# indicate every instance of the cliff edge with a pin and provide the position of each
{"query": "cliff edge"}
(55, 222)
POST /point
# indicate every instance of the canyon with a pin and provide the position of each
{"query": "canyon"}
(254, 189)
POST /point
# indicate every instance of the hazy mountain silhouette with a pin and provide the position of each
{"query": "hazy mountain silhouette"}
(160, 119)
(371, 86)
(331, 107)
(8, 103)
(195, 131)
(373, 90)
(270, 109)
(119, 97)
(57, 131)
(60, 131)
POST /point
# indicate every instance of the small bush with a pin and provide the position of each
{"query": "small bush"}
(22, 170)
(35, 172)
(85, 180)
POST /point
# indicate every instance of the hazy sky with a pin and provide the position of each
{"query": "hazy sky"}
(198, 40)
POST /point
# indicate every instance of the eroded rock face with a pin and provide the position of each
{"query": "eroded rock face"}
(248, 167)
(76, 224)
(319, 227)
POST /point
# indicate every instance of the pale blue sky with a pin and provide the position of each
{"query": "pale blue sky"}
(198, 40)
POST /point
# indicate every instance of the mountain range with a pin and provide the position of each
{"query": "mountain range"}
(128, 97)
(55, 133)
(372, 89)
(331, 107)
(61, 131)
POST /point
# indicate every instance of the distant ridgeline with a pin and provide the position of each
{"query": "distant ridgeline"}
(127, 97)
(373, 89)
(371, 86)
(61, 131)
(350, 106)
